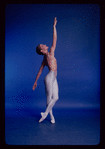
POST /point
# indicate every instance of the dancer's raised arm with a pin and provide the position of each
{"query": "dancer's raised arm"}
(54, 37)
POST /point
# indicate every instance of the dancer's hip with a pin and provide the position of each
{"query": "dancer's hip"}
(50, 76)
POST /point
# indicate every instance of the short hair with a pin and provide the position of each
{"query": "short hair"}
(38, 50)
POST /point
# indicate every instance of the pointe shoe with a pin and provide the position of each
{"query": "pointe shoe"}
(43, 117)
(53, 121)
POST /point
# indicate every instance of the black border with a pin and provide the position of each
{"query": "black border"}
(101, 3)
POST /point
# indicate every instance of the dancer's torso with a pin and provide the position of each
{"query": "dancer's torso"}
(51, 62)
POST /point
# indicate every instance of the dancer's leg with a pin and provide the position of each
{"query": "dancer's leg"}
(50, 105)
(49, 108)
(51, 116)
(54, 95)
(49, 79)
(54, 92)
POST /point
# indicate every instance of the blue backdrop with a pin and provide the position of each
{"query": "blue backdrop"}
(77, 53)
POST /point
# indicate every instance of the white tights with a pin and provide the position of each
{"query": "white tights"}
(51, 87)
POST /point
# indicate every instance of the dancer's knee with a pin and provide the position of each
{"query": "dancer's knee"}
(49, 97)
(56, 98)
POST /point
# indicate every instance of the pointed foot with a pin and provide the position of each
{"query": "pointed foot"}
(53, 120)
(44, 115)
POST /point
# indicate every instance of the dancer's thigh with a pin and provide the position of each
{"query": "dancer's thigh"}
(55, 90)
(48, 89)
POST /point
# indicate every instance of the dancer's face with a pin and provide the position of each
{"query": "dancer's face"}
(44, 48)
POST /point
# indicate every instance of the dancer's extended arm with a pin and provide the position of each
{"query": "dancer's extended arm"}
(54, 37)
(38, 75)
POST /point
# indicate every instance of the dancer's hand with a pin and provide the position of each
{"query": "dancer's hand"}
(34, 86)
(55, 21)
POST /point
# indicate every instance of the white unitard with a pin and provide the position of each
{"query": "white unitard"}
(51, 87)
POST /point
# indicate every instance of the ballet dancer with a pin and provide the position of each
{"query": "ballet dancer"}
(51, 85)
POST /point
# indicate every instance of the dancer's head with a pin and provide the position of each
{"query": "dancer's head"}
(42, 49)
